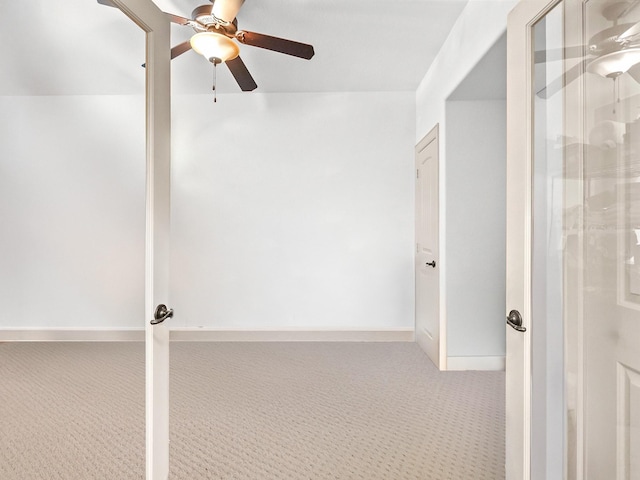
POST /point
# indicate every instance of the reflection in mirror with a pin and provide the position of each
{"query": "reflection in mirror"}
(587, 278)
(611, 180)
(72, 208)
(550, 76)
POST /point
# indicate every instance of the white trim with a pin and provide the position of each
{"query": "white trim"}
(71, 335)
(476, 363)
(293, 335)
(208, 335)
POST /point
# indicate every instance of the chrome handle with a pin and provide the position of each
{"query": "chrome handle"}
(161, 314)
(431, 264)
(515, 320)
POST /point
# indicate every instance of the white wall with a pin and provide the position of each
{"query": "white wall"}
(293, 211)
(480, 25)
(478, 28)
(289, 211)
(72, 173)
(475, 230)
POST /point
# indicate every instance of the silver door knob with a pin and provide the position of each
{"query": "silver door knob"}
(161, 314)
(515, 321)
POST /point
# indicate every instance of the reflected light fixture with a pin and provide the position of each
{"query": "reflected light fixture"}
(215, 47)
(614, 64)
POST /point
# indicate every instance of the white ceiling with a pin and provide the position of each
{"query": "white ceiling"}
(75, 47)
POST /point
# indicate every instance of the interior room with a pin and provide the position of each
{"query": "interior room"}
(292, 238)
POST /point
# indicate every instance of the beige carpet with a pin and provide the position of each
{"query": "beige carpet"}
(263, 411)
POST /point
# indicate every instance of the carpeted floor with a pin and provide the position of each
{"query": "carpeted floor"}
(263, 411)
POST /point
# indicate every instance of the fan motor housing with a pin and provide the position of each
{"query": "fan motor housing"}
(203, 15)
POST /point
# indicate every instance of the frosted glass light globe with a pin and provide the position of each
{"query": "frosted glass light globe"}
(215, 47)
(615, 63)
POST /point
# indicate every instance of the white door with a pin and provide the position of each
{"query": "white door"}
(158, 131)
(573, 230)
(428, 331)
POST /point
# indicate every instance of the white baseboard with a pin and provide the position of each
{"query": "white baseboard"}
(476, 363)
(207, 335)
(71, 335)
(293, 335)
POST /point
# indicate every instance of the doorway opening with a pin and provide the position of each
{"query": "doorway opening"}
(473, 176)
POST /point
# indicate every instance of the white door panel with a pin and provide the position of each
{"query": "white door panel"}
(428, 332)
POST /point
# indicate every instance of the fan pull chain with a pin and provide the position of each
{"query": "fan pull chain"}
(616, 89)
(215, 92)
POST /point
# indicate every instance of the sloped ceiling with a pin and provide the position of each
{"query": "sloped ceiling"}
(77, 47)
(488, 79)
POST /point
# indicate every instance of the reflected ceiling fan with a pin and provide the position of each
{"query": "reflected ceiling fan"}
(216, 28)
(610, 52)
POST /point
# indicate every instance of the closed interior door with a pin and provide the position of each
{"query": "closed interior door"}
(428, 333)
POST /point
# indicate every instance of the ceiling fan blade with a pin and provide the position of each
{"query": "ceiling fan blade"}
(559, 83)
(543, 56)
(226, 9)
(241, 74)
(177, 50)
(288, 47)
(630, 32)
(183, 20)
(634, 72)
(180, 49)
(177, 18)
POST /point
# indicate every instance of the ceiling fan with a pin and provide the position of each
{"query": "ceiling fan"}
(216, 27)
(610, 53)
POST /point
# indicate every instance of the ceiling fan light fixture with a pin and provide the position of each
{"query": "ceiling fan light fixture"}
(215, 47)
(614, 64)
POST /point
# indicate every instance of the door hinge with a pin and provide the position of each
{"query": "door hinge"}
(417, 248)
(417, 173)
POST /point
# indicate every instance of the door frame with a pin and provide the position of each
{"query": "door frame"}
(520, 47)
(518, 401)
(156, 25)
(518, 249)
